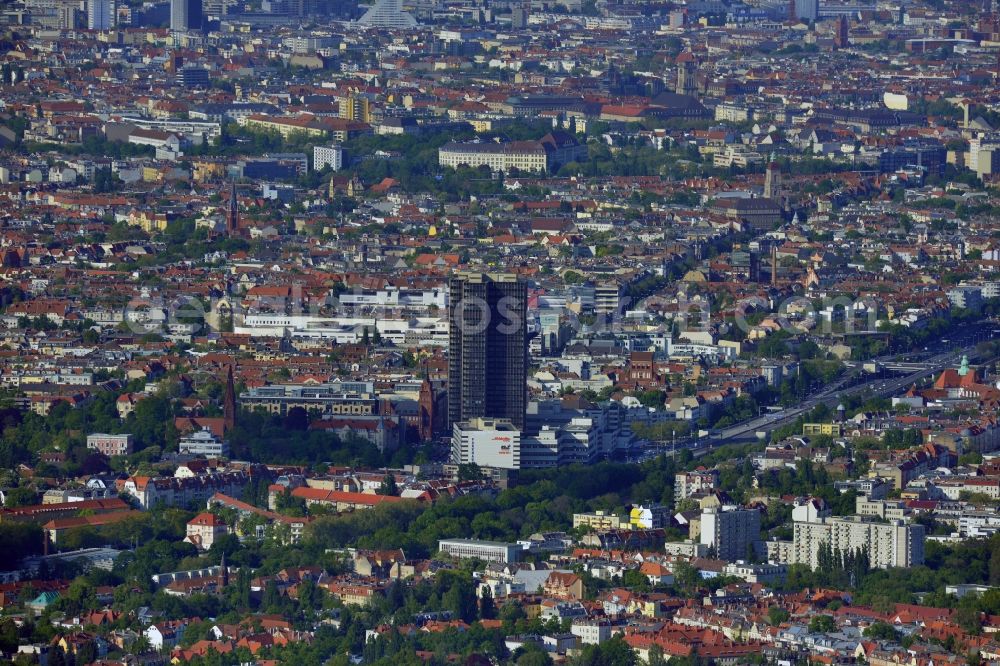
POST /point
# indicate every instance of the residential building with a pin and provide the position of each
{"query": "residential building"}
(203, 443)
(356, 107)
(766, 574)
(57, 527)
(287, 529)
(110, 445)
(831, 429)
(165, 635)
(339, 501)
(966, 297)
(599, 521)
(887, 544)
(698, 481)
(174, 491)
(592, 631)
(205, 529)
(730, 531)
(653, 516)
(328, 156)
(341, 398)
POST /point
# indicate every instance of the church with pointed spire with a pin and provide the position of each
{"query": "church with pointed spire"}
(223, 573)
(233, 215)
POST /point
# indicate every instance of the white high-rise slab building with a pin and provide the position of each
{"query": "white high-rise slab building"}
(388, 14)
(332, 156)
(487, 443)
(100, 14)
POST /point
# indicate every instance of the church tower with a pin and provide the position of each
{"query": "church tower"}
(842, 38)
(772, 181)
(774, 265)
(687, 74)
(426, 409)
(223, 572)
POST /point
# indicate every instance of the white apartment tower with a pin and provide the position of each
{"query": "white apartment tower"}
(100, 14)
(888, 544)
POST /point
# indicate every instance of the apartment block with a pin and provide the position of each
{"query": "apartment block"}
(599, 521)
(689, 483)
(888, 544)
(731, 533)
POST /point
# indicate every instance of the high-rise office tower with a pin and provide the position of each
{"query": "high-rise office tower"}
(185, 15)
(519, 15)
(196, 15)
(488, 350)
(178, 15)
(100, 14)
(807, 10)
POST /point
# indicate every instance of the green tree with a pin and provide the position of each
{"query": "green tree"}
(969, 619)
(388, 485)
(86, 653)
(532, 655)
(310, 596)
(686, 575)
(20, 496)
(459, 595)
(487, 608)
(614, 652)
(9, 637)
(470, 472)
(635, 580)
(822, 624)
(19, 540)
(777, 615)
(882, 631)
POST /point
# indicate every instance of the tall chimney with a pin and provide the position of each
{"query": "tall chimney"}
(774, 265)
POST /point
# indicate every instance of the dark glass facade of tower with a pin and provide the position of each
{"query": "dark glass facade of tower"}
(488, 350)
(186, 15)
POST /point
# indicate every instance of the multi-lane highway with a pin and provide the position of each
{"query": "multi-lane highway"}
(936, 357)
